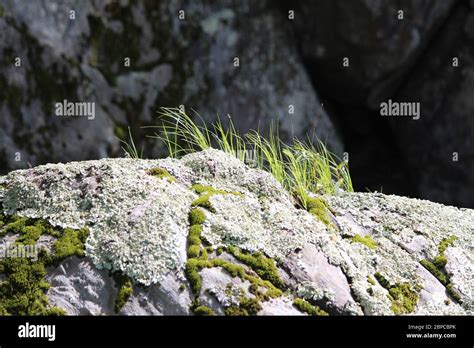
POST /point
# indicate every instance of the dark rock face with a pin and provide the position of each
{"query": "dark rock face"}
(380, 42)
(439, 146)
(207, 58)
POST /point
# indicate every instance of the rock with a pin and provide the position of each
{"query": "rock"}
(438, 146)
(173, 62)
(255, 240)
(381, 47)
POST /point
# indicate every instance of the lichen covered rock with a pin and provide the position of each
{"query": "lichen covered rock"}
(208, 235)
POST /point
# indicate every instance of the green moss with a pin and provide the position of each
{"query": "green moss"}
(2, 11)
(318, 208)
(445, 243)
(403, 296)
(219, 250)
(161, 173)
(203, 201)
(365, 240)
(203, 311)
(263, 266)
(453, 293)
(192, 275)
(209, 190)
(371, 280)
(435, 271)
(71, 243)
(370, 291)
(246, 307)
(182, 287)
(193, 251)
(23, 292)
(382, 281)
(196, 217)
(30, 234)
(306, 307)
(437, 267)
(125, 290)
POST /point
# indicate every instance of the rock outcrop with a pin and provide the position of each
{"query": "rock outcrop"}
(206, 234)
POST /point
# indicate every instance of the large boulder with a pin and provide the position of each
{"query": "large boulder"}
(231, 57)
(208, 234)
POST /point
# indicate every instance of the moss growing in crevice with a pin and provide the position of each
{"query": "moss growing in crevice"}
(403, 296)
(161, 173)
(306, 307)
(368, 241)
(437, 267)
(23, 292)
(371, 280)
(247, 306)
(198, 258)
(204, 311)
(318, 207)
(263, 266)
(205, 193)
(125, 290)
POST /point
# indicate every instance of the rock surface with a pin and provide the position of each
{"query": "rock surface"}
(174, 61)
(138, 226)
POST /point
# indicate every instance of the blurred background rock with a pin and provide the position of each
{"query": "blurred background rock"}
(289, 70)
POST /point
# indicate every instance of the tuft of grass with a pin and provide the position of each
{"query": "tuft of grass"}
(130, 148)
(301, 167)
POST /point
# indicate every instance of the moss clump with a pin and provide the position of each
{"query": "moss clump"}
(182, 287)
(23, 292)
(453, 293)
(204, 202)
(246, 307)
(371, 280)
(161, 173)
(306, 307)
(192, 275)
(370, 291)
(365, 240)
(262, 265)
(204, 311)
(382, 281)
(403, 296)
(435, 271)
(437, 267)
(71, 243)
(193, 251)
(125, 290)
(219, 251)
(209, 190)
(196, 217)
(318, 208)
